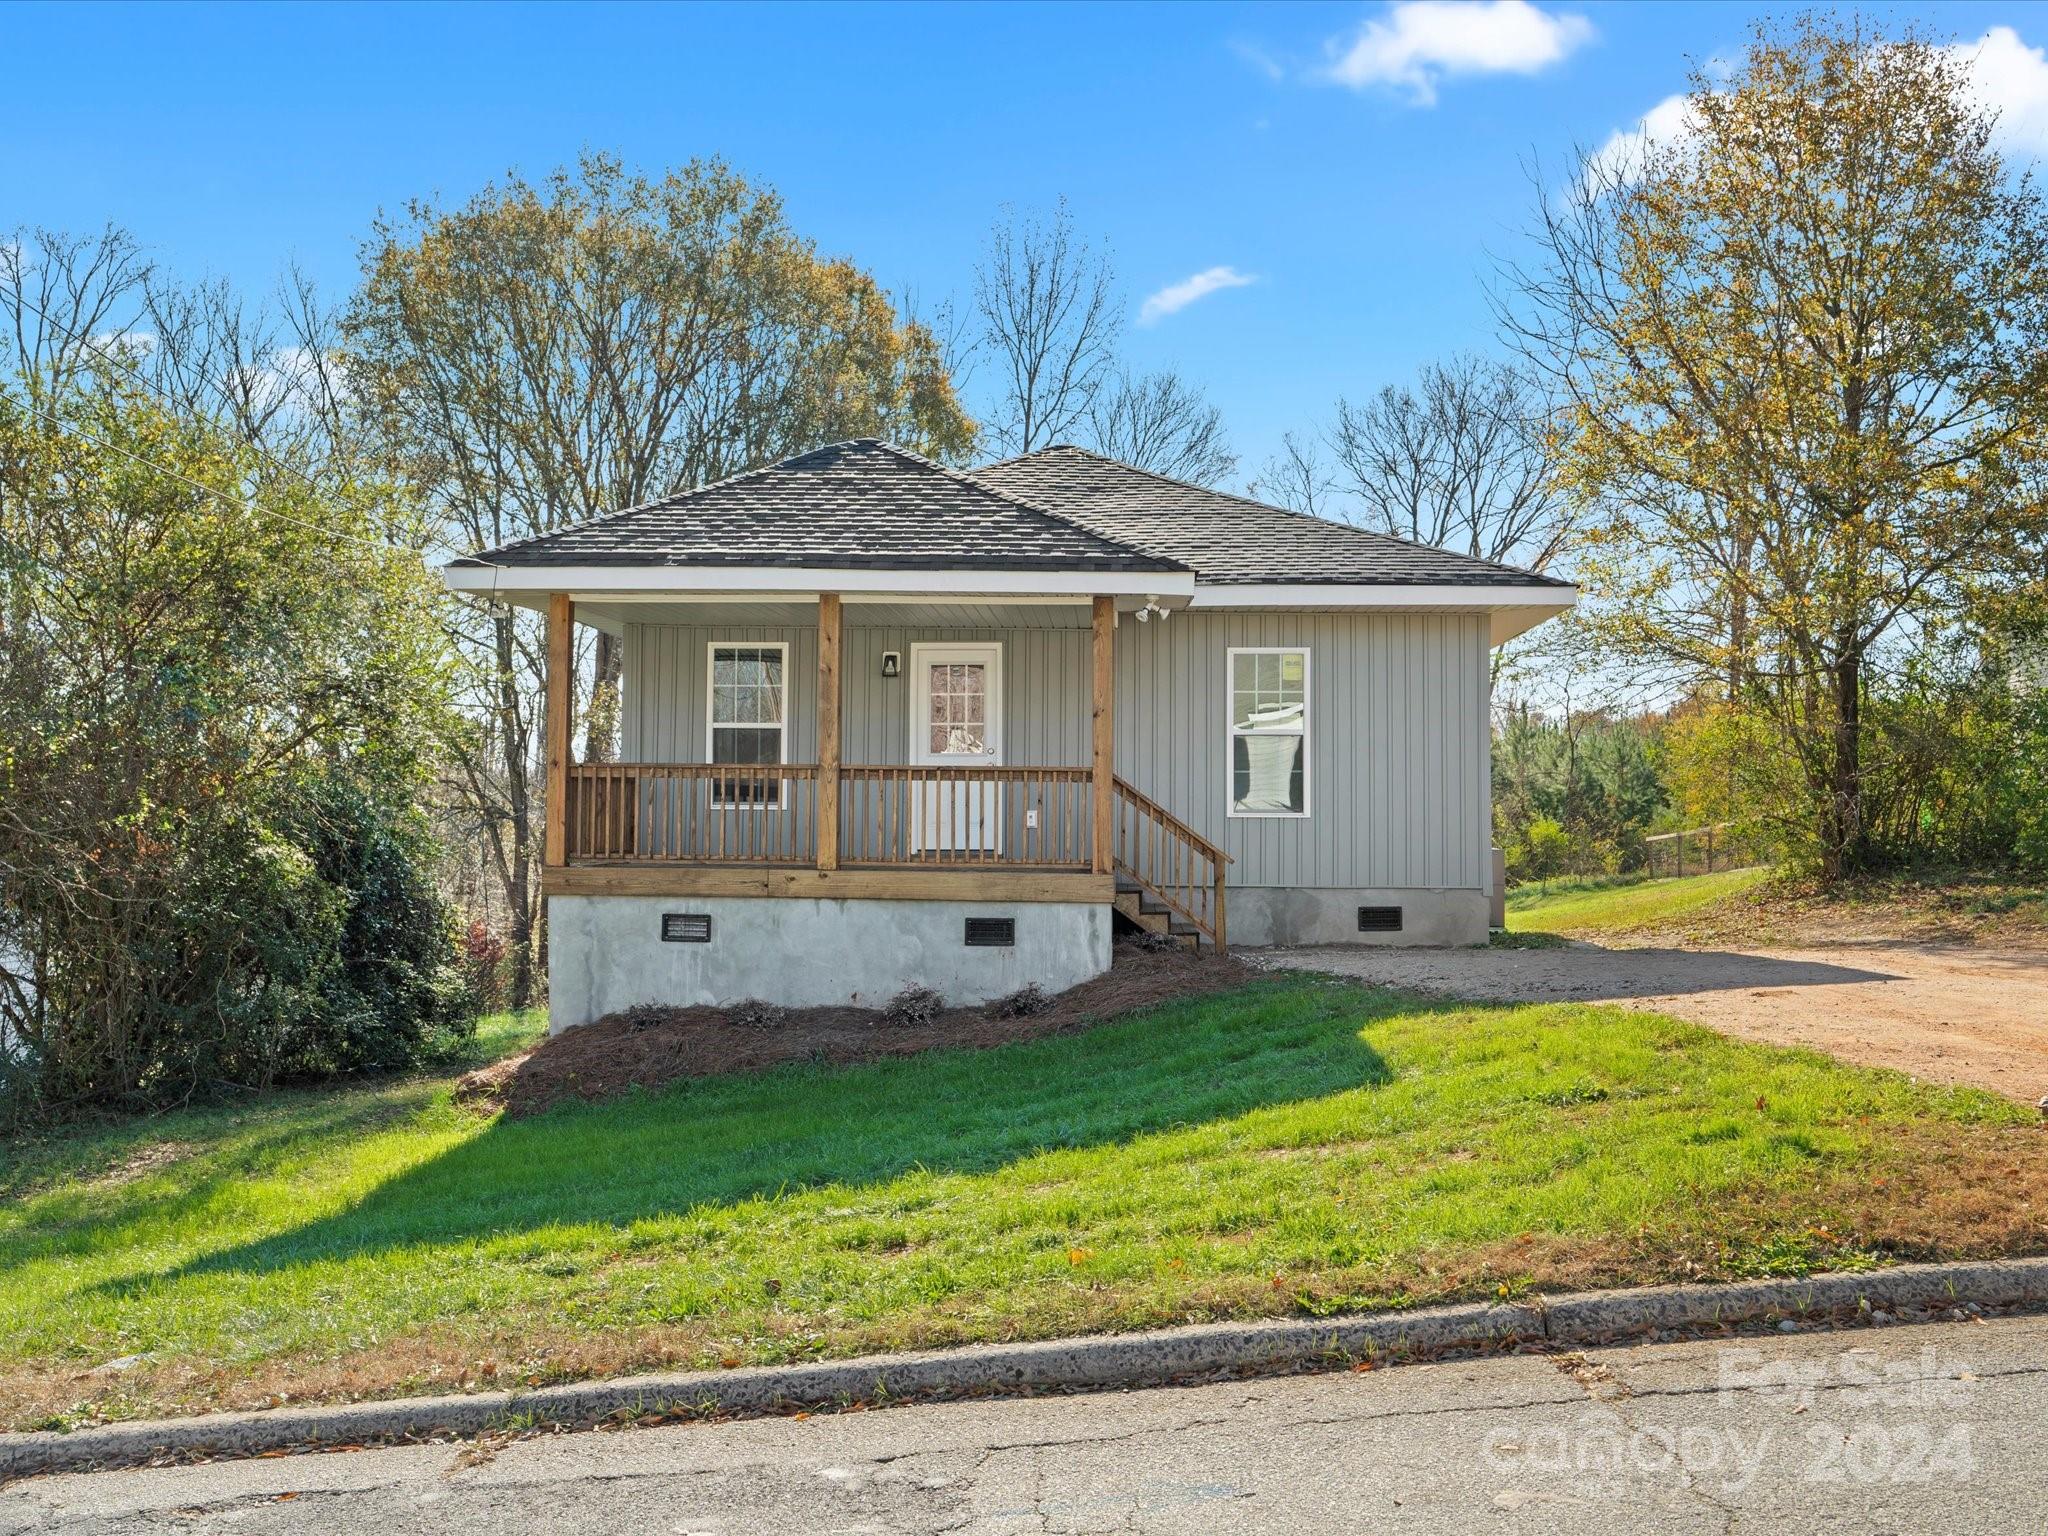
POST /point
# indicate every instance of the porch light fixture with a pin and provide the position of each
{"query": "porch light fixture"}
(1151, 607)
(892, 663)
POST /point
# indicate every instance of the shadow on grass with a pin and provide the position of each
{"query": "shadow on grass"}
(84, 1211)
(1552, 969)
(726, 1141)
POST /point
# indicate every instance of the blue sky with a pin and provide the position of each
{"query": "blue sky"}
(1360, 163)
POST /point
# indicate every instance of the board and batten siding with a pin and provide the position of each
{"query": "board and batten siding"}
(1399, 738)
(1045, 690)
(1398, 753)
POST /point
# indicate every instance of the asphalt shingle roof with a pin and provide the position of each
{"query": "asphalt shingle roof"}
(1229, 539)
(862, 505)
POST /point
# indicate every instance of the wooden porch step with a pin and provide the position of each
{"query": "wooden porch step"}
(1156, 919)
(1146, 901)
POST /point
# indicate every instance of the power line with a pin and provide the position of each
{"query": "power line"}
(104, 350)
(244, 504)
(136, 373)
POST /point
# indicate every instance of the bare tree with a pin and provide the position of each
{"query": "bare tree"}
(1466, 462)
(1296, 477)
(264, 372)
(71, 304)
(270, 371)
(1161, 423)
(1048, 322)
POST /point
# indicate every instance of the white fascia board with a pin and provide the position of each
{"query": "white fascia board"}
(1513, 610)
(1472, 599)
(666, 583)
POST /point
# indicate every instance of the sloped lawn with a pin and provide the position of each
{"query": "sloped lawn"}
(1294, 1146)
(1596, 907)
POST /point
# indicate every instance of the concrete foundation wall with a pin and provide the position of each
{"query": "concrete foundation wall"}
(606, 952)
(1264, 915)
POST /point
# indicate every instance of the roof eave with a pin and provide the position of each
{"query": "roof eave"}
(1512, 610)
(658, 582)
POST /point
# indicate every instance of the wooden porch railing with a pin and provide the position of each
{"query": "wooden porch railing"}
(889, 815)
(1179, 867)
(945, 816)
(892, 815)
(700, 813)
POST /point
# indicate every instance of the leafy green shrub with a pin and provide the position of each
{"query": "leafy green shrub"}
(392, 991)
(212, 731)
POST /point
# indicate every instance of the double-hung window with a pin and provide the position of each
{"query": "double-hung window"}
(748, 720)
(1269, 732)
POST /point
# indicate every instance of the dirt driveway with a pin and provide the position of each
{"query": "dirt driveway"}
(1944, 1013)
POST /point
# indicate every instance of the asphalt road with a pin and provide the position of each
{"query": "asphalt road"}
(1939, 1427)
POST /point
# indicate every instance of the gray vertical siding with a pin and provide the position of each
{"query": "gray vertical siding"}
(1045, 691)
(1399, 787)
(1398, 740)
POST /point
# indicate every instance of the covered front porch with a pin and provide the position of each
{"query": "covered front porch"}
(940, 747)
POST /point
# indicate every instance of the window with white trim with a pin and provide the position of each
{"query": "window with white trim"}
(1269, 732)
(748, 719)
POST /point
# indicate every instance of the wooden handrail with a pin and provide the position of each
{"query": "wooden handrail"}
(1159, 812)
(1173, 862)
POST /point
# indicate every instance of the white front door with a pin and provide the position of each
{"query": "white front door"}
(956, 718)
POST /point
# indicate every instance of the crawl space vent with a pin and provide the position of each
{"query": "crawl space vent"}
(992, 932)
(1379, 919)
(686, 928)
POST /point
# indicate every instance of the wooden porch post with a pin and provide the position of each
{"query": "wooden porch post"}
(561, 749)
(830, 634)
(1103, 762)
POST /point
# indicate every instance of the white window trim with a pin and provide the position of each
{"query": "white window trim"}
(711, 650)
(1230, 731)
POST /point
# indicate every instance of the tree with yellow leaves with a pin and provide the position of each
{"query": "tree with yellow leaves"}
(1805, 348)
(548, 352)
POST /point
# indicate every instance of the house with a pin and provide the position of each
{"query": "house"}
(886, 723)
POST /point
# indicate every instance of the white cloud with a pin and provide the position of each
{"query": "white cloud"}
(1175, 297)
(2010, 79)
(2007, 77)
(126, 346)
(1259, 59)
(1621, 157)
(1417, 42)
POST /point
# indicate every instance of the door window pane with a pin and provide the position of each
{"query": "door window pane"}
(957, 707)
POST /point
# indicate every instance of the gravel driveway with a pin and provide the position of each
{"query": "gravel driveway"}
(1944, 1013)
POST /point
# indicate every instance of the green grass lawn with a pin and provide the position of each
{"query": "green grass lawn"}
(1614, 905)
(1296, 1146)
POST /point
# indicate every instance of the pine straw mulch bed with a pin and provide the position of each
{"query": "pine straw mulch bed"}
(648, 1046)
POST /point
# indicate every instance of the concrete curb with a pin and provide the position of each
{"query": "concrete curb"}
(1097, 1363)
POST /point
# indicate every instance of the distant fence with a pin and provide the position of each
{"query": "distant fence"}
(1699, 850)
